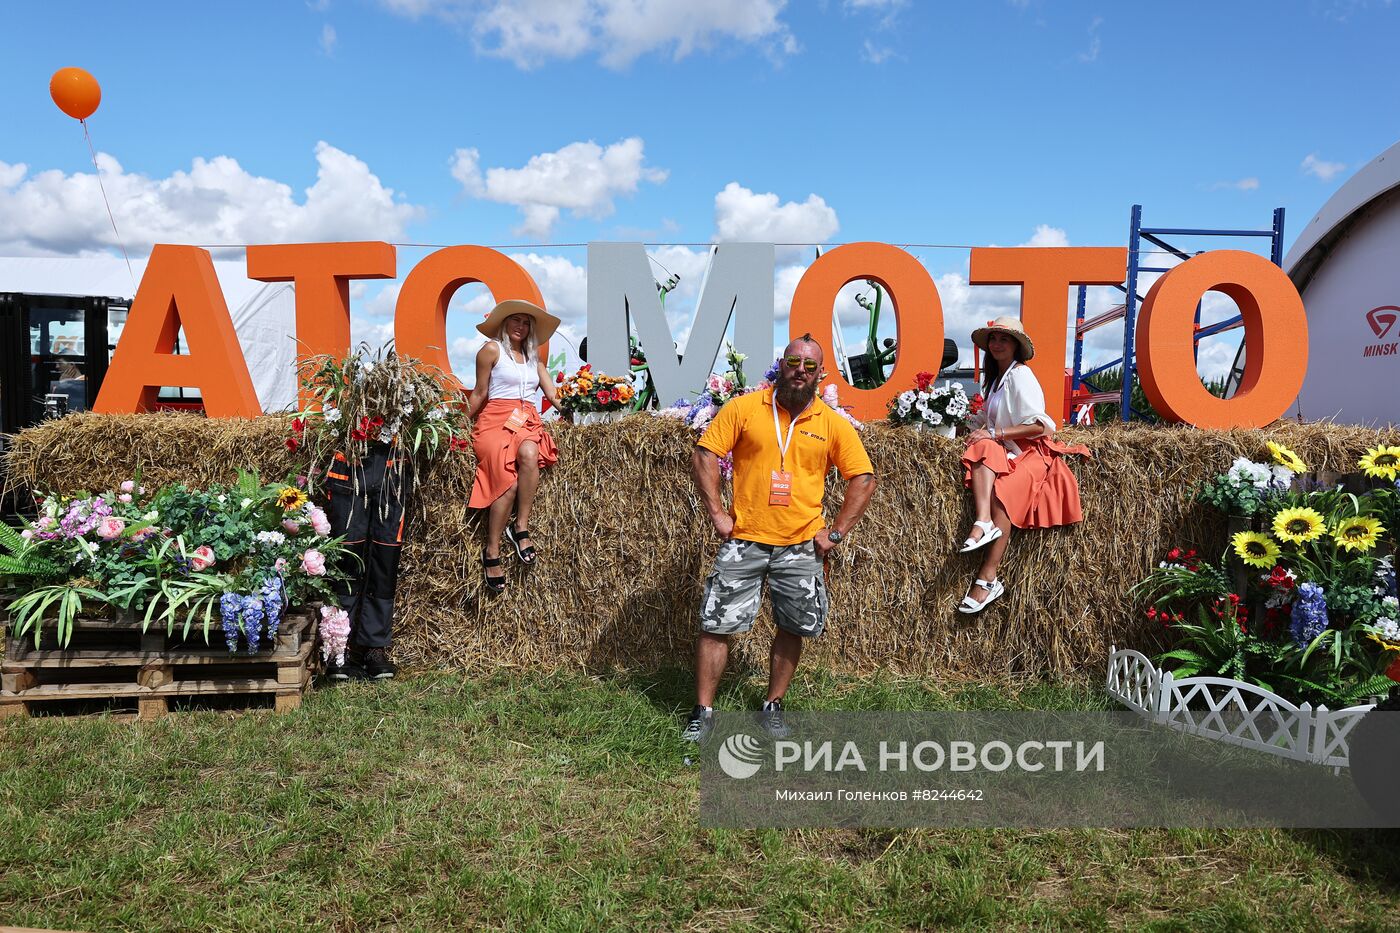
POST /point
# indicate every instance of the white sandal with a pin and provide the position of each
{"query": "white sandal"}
(970, 606)
(990, 532)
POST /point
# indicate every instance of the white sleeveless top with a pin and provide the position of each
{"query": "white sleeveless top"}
(512, 380)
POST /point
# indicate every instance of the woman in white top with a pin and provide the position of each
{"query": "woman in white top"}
(508, 437)
(1012, 464)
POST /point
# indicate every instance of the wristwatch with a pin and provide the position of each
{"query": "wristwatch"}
(835, 537)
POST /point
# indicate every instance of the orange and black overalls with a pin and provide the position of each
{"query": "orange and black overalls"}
(366, 505)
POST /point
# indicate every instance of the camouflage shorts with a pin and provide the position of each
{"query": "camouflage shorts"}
(734, 590)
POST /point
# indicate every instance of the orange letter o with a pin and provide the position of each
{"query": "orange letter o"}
(1276, 342)
(918, 316)
(420, 317)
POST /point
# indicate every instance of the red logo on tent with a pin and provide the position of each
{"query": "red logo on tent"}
(1382, 319)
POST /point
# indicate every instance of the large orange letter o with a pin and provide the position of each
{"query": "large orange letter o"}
(420, 317)
(1275, 340)
(918, 315)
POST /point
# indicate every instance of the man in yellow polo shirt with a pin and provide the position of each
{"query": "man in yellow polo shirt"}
(784, 441)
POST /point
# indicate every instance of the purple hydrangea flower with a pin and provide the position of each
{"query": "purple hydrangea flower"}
(273, 600)
(253, 615)
(1309, 614)
(230, 606)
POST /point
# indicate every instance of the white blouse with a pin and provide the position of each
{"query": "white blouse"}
(513, 380)
(1015, 400)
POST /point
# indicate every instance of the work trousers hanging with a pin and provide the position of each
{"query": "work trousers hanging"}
(366, 505)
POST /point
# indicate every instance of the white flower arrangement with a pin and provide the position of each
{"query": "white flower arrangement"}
(930, 404)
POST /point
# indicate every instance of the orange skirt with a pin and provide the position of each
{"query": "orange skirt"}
(496, 448)
(1036, 488)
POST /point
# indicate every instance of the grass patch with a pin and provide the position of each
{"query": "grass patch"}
(560, 801)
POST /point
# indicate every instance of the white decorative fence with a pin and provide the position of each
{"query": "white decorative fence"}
(1232, 711)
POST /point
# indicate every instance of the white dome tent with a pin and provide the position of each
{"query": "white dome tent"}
(1346, 265)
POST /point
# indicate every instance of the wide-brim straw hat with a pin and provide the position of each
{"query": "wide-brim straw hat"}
(1011, 327)
(545, 323)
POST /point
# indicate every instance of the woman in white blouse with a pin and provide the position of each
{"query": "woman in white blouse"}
(1012, 464)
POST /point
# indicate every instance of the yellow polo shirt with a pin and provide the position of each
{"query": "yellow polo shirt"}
(821, 439)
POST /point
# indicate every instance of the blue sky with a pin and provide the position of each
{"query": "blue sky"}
(477, 121)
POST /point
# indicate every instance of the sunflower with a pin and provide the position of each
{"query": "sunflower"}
(1287, 458)
(1299, 525)
(291, 498)
(1358, 533)
(1255, 549)
(1381, 462)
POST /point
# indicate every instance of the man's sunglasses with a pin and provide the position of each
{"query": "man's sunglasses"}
(792, 362)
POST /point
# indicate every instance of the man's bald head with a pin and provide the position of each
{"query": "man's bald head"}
(806, 347)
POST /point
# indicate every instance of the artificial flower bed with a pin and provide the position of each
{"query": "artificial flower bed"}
(927, 405)
(588, 392)
(234, 555)
(1303, 601)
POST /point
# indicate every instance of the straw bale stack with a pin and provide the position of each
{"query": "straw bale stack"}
(626, 545)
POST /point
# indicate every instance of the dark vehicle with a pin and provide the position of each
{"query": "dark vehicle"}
(54, 352)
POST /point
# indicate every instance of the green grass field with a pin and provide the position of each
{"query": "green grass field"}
(561, 802)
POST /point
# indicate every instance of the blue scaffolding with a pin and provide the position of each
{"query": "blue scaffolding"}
(1127, 311)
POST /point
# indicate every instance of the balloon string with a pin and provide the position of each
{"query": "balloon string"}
(102, 188)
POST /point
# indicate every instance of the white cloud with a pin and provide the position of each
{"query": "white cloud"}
(215, 202)
(382, 303)
(1244, 184)
(876, 54)
(328, 39)
(1095, 43)
(741, 214)
(582, 177)
(1320, 168)
(532, 32)
(1046, 235)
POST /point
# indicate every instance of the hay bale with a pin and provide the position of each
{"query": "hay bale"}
(625, 544)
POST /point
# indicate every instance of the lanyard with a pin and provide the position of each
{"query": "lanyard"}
(778, 432)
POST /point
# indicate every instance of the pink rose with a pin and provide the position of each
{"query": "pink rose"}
(110, 527)
(320, 523)
(291, 527)
(202, 557)
(26, 534)
(280, 564)
(313, 562)
(128, 486)
(124, 497)
(44, 522)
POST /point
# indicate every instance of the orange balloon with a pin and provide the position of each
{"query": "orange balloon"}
(76, 92)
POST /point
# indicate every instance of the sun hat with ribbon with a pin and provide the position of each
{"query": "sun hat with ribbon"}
(1011, 327)
(545, 323)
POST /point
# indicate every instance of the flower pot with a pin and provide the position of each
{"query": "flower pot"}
(598, 417)
(942, 430)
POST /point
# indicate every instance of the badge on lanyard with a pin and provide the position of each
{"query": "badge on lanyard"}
(780, 483)
(516, 421)
(780, 488)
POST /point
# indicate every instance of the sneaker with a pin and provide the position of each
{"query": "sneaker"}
(378, 666)
(772, 720)
(354, 667)
(336, 671)
(699, 725)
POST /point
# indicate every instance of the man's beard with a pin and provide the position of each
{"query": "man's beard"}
(794, 397)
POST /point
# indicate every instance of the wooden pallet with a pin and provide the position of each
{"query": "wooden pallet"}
(116, 665)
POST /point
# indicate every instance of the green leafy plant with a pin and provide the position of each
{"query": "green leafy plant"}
(65, 600)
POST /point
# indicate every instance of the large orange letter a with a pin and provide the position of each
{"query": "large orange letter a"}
(178, 290)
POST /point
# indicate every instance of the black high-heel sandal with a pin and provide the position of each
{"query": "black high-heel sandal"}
(525, 551)
(496, 585)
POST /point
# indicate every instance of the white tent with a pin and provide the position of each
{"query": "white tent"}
(263, 313)
(1344, 266)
